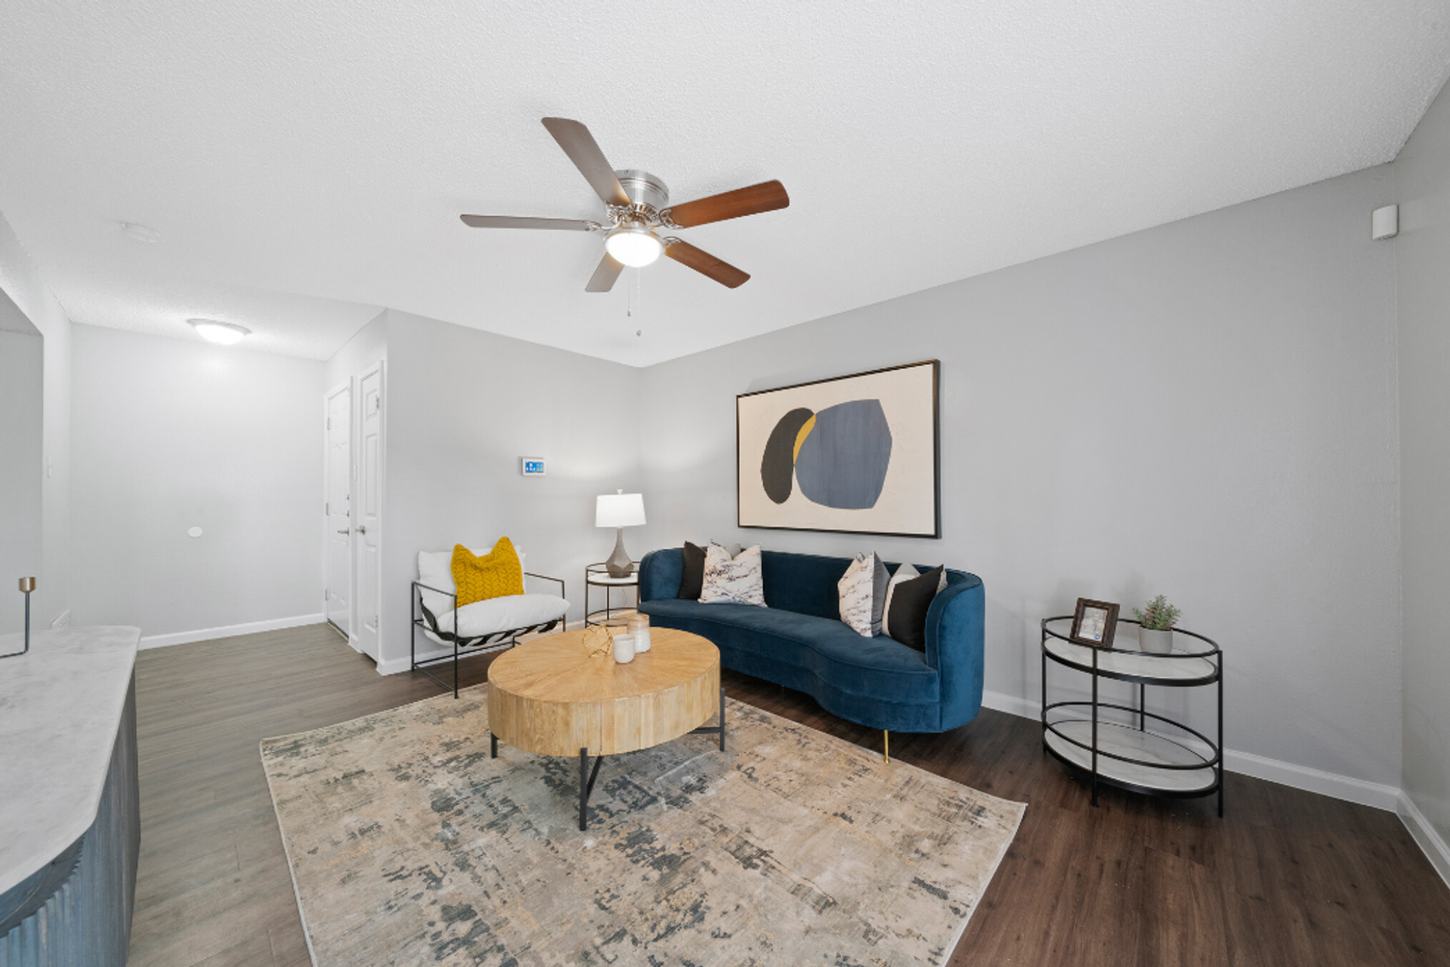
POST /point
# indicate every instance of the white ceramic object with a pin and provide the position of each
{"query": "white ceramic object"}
(1155, 642)
(639, 628)
(623, 649)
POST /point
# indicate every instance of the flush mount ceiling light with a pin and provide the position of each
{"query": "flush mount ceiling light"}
(221, 333)
(140, 233)
(634, 246)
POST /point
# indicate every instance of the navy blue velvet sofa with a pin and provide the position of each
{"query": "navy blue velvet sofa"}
(800, 642)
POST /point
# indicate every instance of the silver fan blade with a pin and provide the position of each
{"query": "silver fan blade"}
(509, 221)
(603, 278)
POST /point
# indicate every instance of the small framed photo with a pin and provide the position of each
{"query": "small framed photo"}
(1094, 623)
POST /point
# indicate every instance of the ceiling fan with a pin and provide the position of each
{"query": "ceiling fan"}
(638, 206)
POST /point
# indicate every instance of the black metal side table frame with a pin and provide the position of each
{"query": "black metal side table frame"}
(587, 775)
(1212, 655)
(596, 576)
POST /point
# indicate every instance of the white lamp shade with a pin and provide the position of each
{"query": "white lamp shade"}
(619, 510)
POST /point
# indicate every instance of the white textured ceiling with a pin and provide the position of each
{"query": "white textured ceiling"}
(305, 162)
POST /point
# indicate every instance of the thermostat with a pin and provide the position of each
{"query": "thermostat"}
(532, 466)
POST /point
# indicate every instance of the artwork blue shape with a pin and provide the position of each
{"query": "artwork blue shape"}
(842, 462)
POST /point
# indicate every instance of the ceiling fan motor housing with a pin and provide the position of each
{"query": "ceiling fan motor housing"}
(647, 191)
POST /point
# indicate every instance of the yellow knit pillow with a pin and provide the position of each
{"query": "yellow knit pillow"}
(493, 575)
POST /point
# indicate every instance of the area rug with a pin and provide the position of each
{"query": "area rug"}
(408, 845)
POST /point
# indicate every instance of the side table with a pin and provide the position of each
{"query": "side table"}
(1158, 756)
(597, 576)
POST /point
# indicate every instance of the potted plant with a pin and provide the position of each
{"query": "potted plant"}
(1155, 636)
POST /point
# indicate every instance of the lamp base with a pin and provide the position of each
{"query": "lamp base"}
(619, 565)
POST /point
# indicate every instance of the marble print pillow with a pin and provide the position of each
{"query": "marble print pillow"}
(862, 591)
(732, 580)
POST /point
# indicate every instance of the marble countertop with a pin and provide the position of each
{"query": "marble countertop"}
(60, 707)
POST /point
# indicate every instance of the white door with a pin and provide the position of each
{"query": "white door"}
(368, 509)
(338, 508)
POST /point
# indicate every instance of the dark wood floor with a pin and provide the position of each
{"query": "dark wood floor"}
(1287, 878)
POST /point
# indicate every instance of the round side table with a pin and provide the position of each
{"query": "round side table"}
(1101, 741)
(597, 576)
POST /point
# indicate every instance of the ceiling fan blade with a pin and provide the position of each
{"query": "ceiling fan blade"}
(603, 278)
(764, 197)
(509, 221)
(706, 264)
(584, 151)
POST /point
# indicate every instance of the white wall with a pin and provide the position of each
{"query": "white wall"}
(1423, 254)
(20, 469)
(461, 407)
(27, 292)
(1205, 409)
(169, 434)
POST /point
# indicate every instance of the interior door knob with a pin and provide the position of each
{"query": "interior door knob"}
(361, 529)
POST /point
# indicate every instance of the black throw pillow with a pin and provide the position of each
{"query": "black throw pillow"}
(692, 579)
(909, 604)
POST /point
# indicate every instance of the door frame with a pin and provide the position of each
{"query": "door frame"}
(357, 427)
(351, 390)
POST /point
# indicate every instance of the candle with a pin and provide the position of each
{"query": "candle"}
(623, 649)
(639, 628)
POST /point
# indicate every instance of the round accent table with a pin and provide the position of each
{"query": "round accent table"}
(1126, 746)
(551, 698)
(597, 576)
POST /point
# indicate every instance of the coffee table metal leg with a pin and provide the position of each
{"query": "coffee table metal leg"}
(714, 729)
(586, 785)
(492, 746)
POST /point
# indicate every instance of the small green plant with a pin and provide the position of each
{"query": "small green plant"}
(1158, 616)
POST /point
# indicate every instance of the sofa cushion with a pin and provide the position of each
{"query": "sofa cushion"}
(504, 613)
(692, 572)
(870, 667)
(732, 580)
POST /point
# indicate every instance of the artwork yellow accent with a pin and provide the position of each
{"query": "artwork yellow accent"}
(493, 575)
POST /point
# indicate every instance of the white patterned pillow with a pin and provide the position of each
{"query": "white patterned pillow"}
(862, 592)
(733, 580)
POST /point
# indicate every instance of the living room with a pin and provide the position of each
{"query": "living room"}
(1139, 244)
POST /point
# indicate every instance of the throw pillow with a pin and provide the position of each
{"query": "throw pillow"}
(692, 578)
(733, 580)
(493, 575)
(904, 572)
(909, 604)
(862, 592)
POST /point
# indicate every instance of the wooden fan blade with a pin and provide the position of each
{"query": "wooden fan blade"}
(509, 221)
(603, 278)
(764, 197)
(706, 264)
(584, 151)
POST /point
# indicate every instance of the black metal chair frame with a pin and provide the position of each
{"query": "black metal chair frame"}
(483, 644)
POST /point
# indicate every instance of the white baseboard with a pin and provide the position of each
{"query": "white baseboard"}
(1246, 763)
(1425, 835)
(228, 631)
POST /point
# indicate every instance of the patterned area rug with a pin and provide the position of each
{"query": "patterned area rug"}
(408, 845)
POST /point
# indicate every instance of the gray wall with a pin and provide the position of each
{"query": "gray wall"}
(171, 433)
(20, 470)
(26, 291)
(462, 406)
(1423, 253)
(1206, 409)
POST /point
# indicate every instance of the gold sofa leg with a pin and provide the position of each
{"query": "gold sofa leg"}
(885, 745)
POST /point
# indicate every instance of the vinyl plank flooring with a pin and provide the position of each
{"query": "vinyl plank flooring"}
(1286, 877)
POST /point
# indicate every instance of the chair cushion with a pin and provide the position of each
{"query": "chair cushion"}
(435, 569)
(505, 613)
(876, 667)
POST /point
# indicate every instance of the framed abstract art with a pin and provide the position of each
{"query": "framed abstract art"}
(858, 454)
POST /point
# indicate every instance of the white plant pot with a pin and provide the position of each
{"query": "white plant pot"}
(1155, 642)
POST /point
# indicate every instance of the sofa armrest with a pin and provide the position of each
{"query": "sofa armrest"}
(955, 647)
(660, 573)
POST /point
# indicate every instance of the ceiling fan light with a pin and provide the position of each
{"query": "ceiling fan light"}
(634, 247)
(221, 333)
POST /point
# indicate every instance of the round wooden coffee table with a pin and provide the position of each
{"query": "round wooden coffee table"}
(551, 698)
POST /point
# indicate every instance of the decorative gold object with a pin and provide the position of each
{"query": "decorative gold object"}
(597, 641)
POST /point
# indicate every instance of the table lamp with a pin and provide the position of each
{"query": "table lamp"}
(619, 510)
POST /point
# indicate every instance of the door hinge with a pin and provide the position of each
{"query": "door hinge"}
(326, 509)
(329, 422)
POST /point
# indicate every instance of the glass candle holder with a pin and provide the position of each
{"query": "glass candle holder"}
(639, 628)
